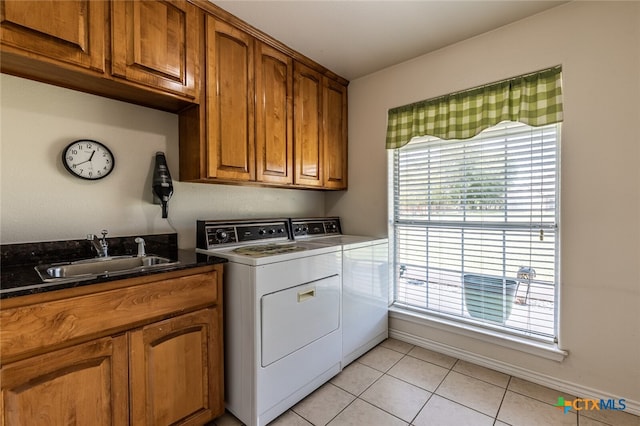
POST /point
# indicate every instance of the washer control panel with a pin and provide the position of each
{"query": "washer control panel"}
(315, 227)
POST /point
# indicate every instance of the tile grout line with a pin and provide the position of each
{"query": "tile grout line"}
(332, 418)
(430, 393)
(495, 418)
(463, 405)
(504, 395)
(450, 369)
(434, 391)
(364, 390)
(358, 396)
(422, 408)
(385, 373)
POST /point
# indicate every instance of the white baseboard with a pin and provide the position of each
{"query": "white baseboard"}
(632, 407)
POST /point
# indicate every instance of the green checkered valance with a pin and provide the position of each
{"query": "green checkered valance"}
(534, 99)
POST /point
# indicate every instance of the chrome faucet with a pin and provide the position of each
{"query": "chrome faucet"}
(140, 242)
(100, 244)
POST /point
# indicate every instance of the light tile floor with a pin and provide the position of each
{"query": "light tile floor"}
(397, 383)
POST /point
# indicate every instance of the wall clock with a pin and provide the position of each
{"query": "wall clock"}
(88, 159)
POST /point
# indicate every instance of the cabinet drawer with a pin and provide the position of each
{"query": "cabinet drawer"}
(34, 328)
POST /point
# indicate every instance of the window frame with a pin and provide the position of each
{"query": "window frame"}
(551, 341)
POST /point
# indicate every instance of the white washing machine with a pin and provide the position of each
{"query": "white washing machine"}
(283, 316)
(365, 282)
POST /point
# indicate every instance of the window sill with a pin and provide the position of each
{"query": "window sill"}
(540, 349)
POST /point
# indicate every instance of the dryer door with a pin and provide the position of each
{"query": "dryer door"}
(294, 317)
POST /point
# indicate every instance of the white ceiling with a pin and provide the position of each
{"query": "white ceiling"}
(354, 38)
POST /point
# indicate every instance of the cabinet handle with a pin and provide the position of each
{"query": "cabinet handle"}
(306, 295)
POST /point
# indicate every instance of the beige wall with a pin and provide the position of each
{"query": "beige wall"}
(598, 46)
(41, 201)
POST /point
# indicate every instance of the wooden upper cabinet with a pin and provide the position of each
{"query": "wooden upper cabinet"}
(156, 43)
(84, 384)
(274, 115)
(335, 135)
(320, 122)
(174, 374)
(308, 133)
(229, 102)
(65, 32)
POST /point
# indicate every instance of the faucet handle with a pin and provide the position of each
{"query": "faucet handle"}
(101, 245)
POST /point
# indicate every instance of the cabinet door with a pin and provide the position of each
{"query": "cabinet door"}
(83, 385)
(176, 370)
(230, 103)
(335, 135)
(274, 115)
(155, 43)
(71, 32)
(308, 137)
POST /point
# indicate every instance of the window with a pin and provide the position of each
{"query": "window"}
(475, 228)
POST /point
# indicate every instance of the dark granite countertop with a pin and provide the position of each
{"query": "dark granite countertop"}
(18, 276)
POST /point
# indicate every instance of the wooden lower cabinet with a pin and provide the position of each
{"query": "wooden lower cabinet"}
(85, 384)
(173, 374)
(163, 367)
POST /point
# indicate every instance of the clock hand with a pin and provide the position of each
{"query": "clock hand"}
(86, 161)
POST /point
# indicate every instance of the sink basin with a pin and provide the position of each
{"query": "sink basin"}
(102, 266)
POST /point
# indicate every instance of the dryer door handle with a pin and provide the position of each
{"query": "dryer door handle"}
(306, 295)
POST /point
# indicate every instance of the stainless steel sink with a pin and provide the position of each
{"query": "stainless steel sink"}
(102, 266)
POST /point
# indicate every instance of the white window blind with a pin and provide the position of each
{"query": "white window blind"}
(475, 228)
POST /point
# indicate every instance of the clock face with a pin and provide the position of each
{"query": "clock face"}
(88, 159)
